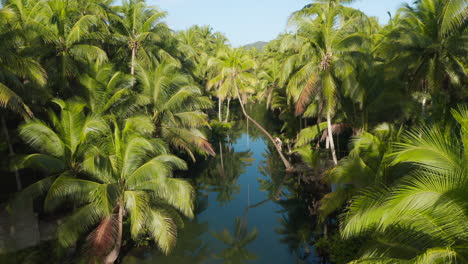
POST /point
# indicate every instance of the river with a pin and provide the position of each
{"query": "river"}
(245, 211)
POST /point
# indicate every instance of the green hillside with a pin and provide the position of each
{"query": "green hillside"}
(258, 45)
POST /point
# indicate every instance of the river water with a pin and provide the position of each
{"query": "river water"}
(245, 211)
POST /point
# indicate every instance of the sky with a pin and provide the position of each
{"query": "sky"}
(248, 21)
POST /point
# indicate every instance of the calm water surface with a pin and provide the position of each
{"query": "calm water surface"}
(240, 216)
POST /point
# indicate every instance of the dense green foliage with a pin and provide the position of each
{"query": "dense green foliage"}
(105, 106)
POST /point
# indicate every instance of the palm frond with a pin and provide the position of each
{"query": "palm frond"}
(307, 135)
(429, 147)
(43, 138)
(162, 229)
(9, 99)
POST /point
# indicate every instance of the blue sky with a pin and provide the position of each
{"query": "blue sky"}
(247, 21)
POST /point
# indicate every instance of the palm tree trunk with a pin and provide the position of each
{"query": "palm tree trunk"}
(270, 94)
(132, 66)
(220, 108)
(114, 254)
(227, 111)
(319, 120)
(424, 106)
(330, 137)
(283, 158)
(11, 151)
(221, 156)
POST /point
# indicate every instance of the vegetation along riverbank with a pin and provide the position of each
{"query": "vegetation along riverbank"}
(343, 140)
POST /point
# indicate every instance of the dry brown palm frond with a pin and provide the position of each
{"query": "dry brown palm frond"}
(102, 239)
(336, 130)
(205, 145)
(306, 95)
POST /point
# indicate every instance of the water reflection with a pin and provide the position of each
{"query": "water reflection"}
(295, 224)
(236, 243)
(248, 209)
(295, 228)
(190, 248)
(220, 174)
(274, 179)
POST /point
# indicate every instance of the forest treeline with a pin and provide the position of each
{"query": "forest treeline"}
(103, 104)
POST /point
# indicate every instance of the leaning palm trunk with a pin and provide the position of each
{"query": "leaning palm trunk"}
(330, 138)
(114, 254)
(283, 158)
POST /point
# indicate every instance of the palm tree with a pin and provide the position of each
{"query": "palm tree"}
(109, 92)
(124, 173)
(422, 219)
(136, 28)
(367, 164)
(198, 44)
(61, 141)
(20, 74)
(232, 68)
(270, 79)
(176, 106)
(16, 68)
(323, 48)
(65, 40)
(234, 78)
(195, 50)
(127, 175)
(272, 83)
(428, 39)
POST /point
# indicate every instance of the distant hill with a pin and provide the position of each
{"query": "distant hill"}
(258, 45)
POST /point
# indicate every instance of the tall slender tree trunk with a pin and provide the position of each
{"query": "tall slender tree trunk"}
(227, 111)
(330, 137)
(220, 108)
(280, 153)
(11, 151)
(114, 254)
(423, 106)
(132, 66)
(319, 120)
(270, 94)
